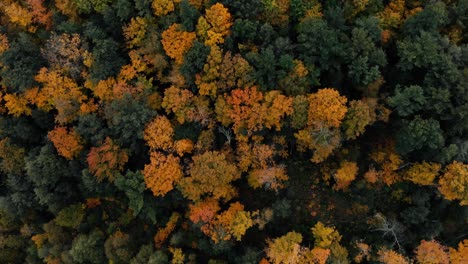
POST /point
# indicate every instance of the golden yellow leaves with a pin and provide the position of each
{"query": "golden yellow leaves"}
(215, 25)
(454, 182)
(422, 173)
(210, 176)
(177, 42)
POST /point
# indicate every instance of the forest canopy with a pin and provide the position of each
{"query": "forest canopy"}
(234, 131)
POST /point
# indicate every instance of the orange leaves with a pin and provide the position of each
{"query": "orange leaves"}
(215, 25)
(461, 255)
(177, 42)
(271, 178)
(163, 233)
(391, 257)
(39, 13)
(62, 93)
(454, 182)
(210, 176)
(249, 109)
(345, 175)
(162, 172)
(431, 252)
(67, 142)
(105, 160)
(159, 134)
(203, 211)
(326, 108)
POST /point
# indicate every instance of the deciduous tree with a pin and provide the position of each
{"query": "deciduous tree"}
(67, 142)
(162, 173)
(104, 161)
(454, 182)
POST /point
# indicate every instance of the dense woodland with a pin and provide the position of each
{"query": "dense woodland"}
(234, 131)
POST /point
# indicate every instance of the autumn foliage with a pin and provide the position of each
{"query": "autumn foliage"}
(67, 142)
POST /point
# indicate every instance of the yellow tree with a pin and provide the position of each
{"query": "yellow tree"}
(210, 175)
(161, 173)
(325, 112)
(431, 252)
(454, 182)
(164, 7)
(135, 31)
(422, 173)
(285, 249)
(177, 42)
(17, 105)
(67, 142)
(232, 223)
(178, 101)
(61, 93)
(159, 134)
(326, 108)
(325, 236)
(215, 25)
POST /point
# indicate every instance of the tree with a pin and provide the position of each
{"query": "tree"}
(62, 93)
(232, 223)
(284, 249)
(163, 233)
(162, 173)
(118, 247)
(431, 252)
(104, 161)
(67, 142)
(177, 42)
(422, 173)
(215, 25)
(159, 134)
(345, 175)
(135, 31)
(71, 216)
(325, 236)
(458, 256)
(17, 105)
(326, 108)
(211, 175)
(391, 257)
(178, 101)
(359, 115)
(87, 248)
(163, 7)
(203, 211)
(454, 181)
